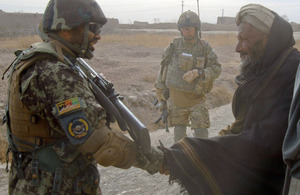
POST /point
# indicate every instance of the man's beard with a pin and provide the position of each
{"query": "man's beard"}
(250, 64)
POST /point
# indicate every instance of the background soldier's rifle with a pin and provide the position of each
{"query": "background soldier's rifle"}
(164, 114)
(163, 103)
(111, 102)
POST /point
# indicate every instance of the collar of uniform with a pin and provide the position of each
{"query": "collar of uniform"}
(61, 50)
(188, 44)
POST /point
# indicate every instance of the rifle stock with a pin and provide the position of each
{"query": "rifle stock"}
(111, 102)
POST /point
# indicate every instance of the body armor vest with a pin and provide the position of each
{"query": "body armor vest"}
(28, 130)
(32, 134)
(182, 61)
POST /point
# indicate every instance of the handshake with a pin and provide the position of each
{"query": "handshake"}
(152, 162)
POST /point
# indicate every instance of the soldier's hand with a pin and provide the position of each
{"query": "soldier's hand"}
(159, 94)
(152, 163)
(190, 75)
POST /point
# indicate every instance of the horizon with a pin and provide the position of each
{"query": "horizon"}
(166, 11)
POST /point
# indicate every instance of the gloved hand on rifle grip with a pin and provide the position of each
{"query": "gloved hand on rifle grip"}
(161, 105)
(160, 94)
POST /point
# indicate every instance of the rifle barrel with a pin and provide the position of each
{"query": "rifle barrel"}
(111, 101)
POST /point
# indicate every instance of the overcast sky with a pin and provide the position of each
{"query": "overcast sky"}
(128, 11)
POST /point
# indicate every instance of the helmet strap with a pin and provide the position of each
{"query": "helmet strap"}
(197, 31)
(82, 50)
(73, 47)
(85, 52)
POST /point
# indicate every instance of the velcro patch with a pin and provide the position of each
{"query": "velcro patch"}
(68, 105)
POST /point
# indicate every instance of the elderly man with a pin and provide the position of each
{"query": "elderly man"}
(248, 160)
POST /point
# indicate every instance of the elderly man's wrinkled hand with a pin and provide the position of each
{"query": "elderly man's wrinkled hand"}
(190, 75)
(164, 169)
(226, 131)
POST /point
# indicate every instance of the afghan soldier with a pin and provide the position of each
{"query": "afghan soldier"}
(56, 129)
(189, 67)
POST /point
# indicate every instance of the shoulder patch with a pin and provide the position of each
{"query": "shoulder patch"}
(78, 128)
(73, 120)
(68, 106)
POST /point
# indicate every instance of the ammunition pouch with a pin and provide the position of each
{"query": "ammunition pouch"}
(199, 62)
(185, 63)
(64, 158)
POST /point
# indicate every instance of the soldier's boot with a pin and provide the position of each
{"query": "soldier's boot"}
(179, 132)
(201, 133)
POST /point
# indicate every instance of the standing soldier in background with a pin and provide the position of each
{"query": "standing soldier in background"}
(189, 67)
(56, 129)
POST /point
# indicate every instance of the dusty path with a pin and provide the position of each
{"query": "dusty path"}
(135, 181)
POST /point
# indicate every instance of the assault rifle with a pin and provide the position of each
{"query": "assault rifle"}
(163, 103)
(105, 95)
(164, 114)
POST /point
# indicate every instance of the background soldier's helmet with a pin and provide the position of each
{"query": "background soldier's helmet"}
(67, 14)
(189, 18)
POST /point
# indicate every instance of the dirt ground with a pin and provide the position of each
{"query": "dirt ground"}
(133, 70)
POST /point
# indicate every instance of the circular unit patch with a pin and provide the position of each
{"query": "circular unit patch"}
(78, 128)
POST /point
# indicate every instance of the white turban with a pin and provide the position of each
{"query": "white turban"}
(257, 15)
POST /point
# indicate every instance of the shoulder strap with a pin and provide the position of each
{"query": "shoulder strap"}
(22, 66)
(167, 60)
(176, 42)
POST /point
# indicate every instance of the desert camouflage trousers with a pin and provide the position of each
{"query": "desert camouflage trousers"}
(85, 184)
(196, 116)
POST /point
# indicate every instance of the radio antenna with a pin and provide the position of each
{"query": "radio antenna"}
(199, 18)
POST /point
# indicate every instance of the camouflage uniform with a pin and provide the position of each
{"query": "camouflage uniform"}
(187, 100)
(56, 128)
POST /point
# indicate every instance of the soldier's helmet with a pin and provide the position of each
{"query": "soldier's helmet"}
(188, 18)
(68, 14)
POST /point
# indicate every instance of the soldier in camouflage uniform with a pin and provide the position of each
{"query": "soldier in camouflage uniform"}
(189, 67)
(56, 129)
